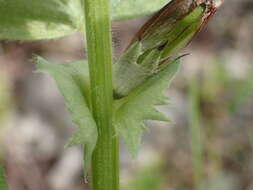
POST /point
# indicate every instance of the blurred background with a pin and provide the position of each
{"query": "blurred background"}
(208, 145)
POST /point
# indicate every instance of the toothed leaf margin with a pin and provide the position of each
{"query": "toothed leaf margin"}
(72, 81)
(139, 106)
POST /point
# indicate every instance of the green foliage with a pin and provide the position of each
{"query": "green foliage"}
(5, 109)
(156, 45)
(72, 81)
(148, 178)
(3, 184)
(48, 19)
(126, 9)
(39, 19)
(132, 110)
(196, 133)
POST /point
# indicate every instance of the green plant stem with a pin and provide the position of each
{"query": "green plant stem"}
(196, 135)
(105, 159)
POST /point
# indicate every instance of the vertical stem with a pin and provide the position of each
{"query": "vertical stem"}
(105, 164)
(196, 135)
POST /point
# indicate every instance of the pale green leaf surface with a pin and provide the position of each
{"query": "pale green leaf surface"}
(138, 106)
(72, 80)
(39, 19)
(126, 9)
(48, 19)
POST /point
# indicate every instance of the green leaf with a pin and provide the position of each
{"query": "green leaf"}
(127, 9)
(72, 81)
(39, 19)
(48, 19)
(132, 110)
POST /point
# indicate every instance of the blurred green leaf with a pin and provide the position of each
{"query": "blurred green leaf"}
(72, 81)
(132, 110)
(3, 182)
(39, 19)
(5, 109)
(215, 80)
(127, 9)
(149, 178)
(196, 133)
(48, 19)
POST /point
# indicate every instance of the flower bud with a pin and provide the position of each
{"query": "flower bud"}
(175, 25)
(160, 39)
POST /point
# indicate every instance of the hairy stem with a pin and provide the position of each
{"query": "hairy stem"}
(105, 164)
